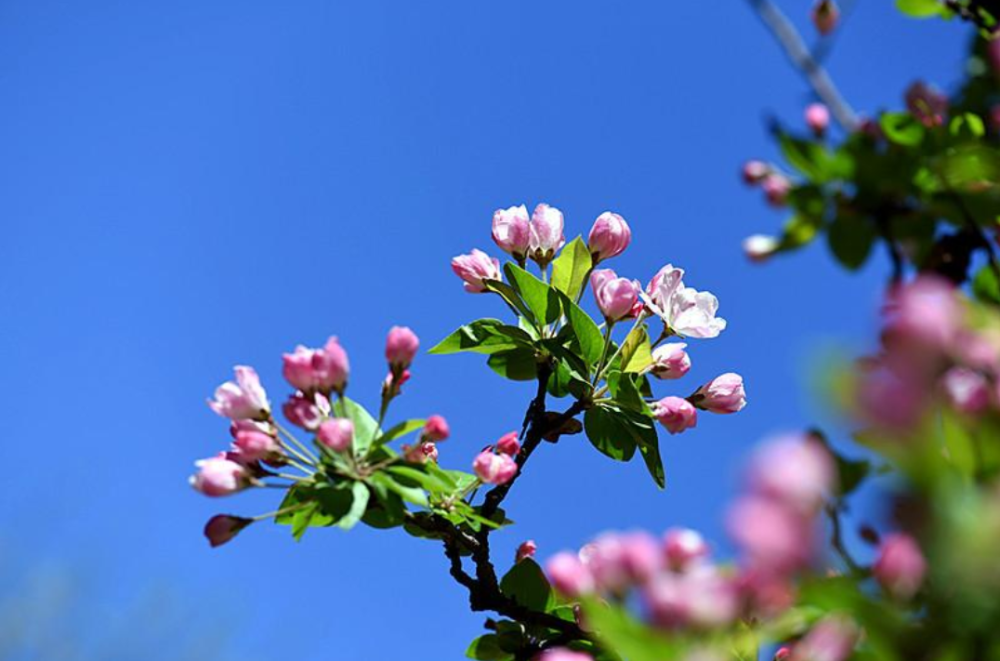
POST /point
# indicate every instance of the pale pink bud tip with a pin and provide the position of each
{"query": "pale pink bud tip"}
(494, 468)
(546, 236)
(304, 411)
(436, 429)
(512, 231)
(900, 567)
(243, 398)
(219, 476)
(324, 370)
(527, 549)
(754, 172)
(509, 444)
(967, 390)
(401, 347)
(569, 575)
(683, 547)
(783, 653)
(336, 434)
(564, 654)
(676, 414)
(760, 247)
(474, 268)
(776, 188)
(723, 394)
(671, 361)
(609, 236)
(831, 639)
(223, 527)
(252, 445)
(615, 296)
(817, 118)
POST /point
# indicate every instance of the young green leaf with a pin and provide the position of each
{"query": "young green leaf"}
(359, 505)
(541, 299)
(483, 336)
(636, 351)
(515, 364)
(851, 239)
(570, 268)
(587, 333)
(526, 585)
(402, 429)
(607, 433)
(365, 426)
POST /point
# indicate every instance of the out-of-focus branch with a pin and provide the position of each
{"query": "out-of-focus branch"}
(797, 52)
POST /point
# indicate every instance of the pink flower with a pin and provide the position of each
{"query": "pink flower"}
(927, 105)
(546, 236)
(420, 453)
(831, 639)
(223, 527)
(615, 296)
(641, 556)
(401, 347)
(684, 310)
(702, 598)
(723, 394)
(670, 361)
(474, 268)
(817, 118)
(783, 653)
(676, 414)
(219, 476)
(759, 247)
(900, 567)
(305, 411)
(252, 445)
(754, 172)
(924, 314)
(776, 188)
(494, 468)
(509, 444)
(324, 370)
(770, 534)
(795, 470)
(336, 434)
(967, 390)
(564, 654)
(569, 575)
(888, 399)
(512, 231)
(825, 16)
(243, 399)
(683, 547)
(527, 549)
(609, 236)
(436, 429)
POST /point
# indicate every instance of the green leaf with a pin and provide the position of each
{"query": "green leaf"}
(636, 351)
(970, 165)
(587, 332)
(483, 336)
(851, 238)
(625, 393)
(542, 300)
(365, 426)
(487, 648)
(808, 157)
(985, 285)
(920, 8)
(516, 364)
(415, 476)
(650, 452)
(850, 473)
(627, 636)
(798, 231)
(413, 495)
(510, 295)
(902, 128)
(402, 429)
(526, 584)
(607, 432)
(570, 268)
(967, 125)
(359, 505)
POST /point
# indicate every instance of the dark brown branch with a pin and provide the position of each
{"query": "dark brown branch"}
(981, 237)
(837, 540)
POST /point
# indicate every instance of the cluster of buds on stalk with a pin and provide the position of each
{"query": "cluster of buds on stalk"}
(496, 464)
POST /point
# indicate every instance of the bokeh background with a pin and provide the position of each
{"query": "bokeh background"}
(189, 185)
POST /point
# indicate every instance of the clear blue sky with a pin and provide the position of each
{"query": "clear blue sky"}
(189, 185)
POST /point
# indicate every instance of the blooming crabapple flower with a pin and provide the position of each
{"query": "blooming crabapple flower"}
(684, 310)
(900, 567)
(474, 268)
(243, 399)
(494, 468)
(676, 414)
(663, 285)
(223, 527)
(967, 390)
(527, 549)
(512, 231)
(336, 434)
(723, 394)
(683, 547)
(817, 118)
(927, 105)
(420, 453)
(546, 234)
(401, 347)
(251, 445)
(615, 296)
(605, 560)
(923, 314)
(569, 575)
(670, 361)
(220, 476)
(831, 639)
(564, 654)
(771, 535)
(702, 598)
(825, 16)
(324, 370)
(759, 247)
(776, 188)
(305, 411)
(436, 429)
(509, 444)
(251, 425)
(609, 236)
(795, 470)
(754, 172)
(641, 556)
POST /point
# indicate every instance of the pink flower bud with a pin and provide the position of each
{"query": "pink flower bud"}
(825, 16)
(605, 560)
(569, 575)
(817, 118)
(219, 476)
(783, 653)
(243, 399)
(771, 535)
(324, 370)
(795, 470)
(392, 385)
(509, 444)
(776, 188)
(927, 105)
(420, 453)
(831, 639)
(759, 247)
(967, 390)
(474, 268)
(723, 394)
(564, 654)
(755, 171)
(900, 566)
(401, 347)
(641, 556)
(512, 231)
(609, 236)
(702, 599)
(670, 361)
(924, 314)
(305, 411)
(253, 446)
(223, 527)
(436, 429)
(615, 296)
(527, 549)
(676, 414)
(683, 548)
(494, 468)
(546, 235)
(336, 434)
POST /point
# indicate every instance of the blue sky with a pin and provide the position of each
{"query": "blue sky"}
(191, 185)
